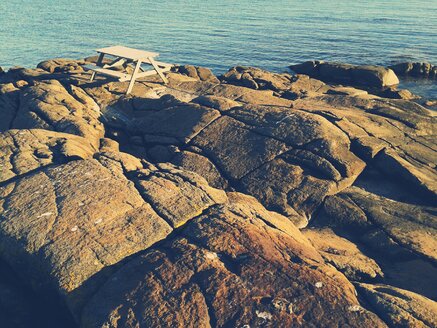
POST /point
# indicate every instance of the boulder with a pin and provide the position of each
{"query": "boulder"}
(368, 76)
(49, 105)
(25, 151)
(61, 65)
(416, 69)
(200, 73)
(63, 236)
(256, 78)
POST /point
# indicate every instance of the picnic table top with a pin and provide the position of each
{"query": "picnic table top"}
(126, 52)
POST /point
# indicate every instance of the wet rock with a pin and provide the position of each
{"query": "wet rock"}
(370, 76)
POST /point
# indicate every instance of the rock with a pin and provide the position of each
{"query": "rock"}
(398, 94)
(219, 276)
(230, 152)
(420, 176)
(61, 65)
(343, 254)
(219, 103)
(369, 76)
(347, 91)
(256, 78)
(201, 73)
(303, 86)
(67, 235)
(177, 195)
(397, 231)
(431, 103)
(115, 238)
(25, 151)
(201, 165)
(416, 69)
(48, 105)
(400, 308)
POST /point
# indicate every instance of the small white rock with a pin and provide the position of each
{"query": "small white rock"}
(354, 308)
(74, 228)
(319, 284)
(263, 315)
(98, 221)
(211, 255)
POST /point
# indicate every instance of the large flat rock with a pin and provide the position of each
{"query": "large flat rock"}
(228, 267)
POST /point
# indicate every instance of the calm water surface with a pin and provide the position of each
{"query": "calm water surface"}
(220, 34)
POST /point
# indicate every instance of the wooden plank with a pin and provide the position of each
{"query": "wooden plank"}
(160, 64)
(109, 72)
(128, 53)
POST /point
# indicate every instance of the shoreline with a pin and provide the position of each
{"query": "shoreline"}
(423, 86)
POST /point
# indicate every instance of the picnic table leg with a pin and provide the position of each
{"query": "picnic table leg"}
(99, 63)
(158, 70)
(134, 76)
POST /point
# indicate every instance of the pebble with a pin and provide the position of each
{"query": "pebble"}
(319, 284)
(74, 228)
(98, 221)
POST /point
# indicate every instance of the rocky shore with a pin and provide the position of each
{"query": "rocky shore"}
(247, 200)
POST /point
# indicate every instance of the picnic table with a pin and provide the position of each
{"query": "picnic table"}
(124, 56)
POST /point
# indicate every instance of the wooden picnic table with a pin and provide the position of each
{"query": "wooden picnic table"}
(124, 56)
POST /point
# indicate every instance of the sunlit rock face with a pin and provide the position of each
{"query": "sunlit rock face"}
(250, 199)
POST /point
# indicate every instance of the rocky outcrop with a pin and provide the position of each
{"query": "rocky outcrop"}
(215, 274)
(415, 69)
(369, 76)
(97, 221)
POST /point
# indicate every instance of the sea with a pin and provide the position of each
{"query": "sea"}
(220, 34)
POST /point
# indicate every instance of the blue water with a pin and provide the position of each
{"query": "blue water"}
(223, 33)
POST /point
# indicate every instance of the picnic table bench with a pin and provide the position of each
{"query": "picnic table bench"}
(124, 56)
